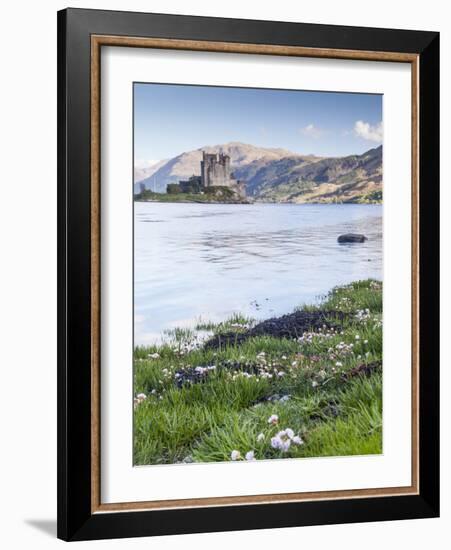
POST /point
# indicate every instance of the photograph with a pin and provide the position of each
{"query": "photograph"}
(257, 274)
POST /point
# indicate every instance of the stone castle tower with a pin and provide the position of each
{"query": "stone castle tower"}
(215, 170)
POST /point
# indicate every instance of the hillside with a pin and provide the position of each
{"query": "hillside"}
(188, 163)
(144, 172)
(283, 176)
(347, 179)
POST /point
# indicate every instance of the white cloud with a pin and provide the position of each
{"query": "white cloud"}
(312, 131)
(366, 131)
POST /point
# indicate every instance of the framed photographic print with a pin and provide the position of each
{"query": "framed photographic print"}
(248, 274)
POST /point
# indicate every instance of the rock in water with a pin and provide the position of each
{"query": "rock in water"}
(352, 238)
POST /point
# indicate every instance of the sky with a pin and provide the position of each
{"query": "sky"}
(171, 119)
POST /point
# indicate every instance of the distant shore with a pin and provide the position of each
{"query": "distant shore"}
(184, 198)
(207, 198)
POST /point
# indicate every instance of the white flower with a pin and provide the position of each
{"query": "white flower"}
(260, 437)
(250, 455)
(338, 364)
(141, 396)
(365, 341)
(201, 370)
(273, 419)
(281, 441)
(297, 440)
(314, 383)
(154, 355)
(289, 432)
(235, 455)
(357, 337)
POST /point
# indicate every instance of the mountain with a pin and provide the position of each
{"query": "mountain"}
(186, 164)
(283, 176)
(347, 179)
(142, 172)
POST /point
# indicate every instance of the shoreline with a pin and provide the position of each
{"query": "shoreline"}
(190, 202)
(305, 384)
(257, 202)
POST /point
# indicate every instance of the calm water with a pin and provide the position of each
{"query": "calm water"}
(207, 261)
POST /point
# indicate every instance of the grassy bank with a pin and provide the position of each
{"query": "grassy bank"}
(316, 394)
(216, 195)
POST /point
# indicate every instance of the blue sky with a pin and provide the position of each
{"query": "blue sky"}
(170, 119)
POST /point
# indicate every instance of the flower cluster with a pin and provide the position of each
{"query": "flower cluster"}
(243, 326)
(204, 370)
(263, 368)
(377, 324)
(192, 375)
(139, 399)
(323, 333)
(236, 455)
(341, 350)
(189, 343)
(363, 315)
(283, 440)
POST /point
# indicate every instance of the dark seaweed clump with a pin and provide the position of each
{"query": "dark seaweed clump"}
(290, 326)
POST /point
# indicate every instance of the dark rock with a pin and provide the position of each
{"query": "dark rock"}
(330, 410)
(352, 238)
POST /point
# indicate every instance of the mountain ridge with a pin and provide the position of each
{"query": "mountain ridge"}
(279, 175)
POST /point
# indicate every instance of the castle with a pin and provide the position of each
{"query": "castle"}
(215, 171)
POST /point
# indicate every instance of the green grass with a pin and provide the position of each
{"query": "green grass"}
(316, 385)
(236, 321)
(215, 195)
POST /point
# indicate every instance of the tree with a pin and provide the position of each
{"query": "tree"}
(173, 188)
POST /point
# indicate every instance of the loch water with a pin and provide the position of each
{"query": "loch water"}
(205, 262)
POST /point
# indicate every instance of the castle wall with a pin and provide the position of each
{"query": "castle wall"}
(215, 170)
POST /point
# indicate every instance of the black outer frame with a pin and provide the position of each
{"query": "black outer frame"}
(75, 520)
